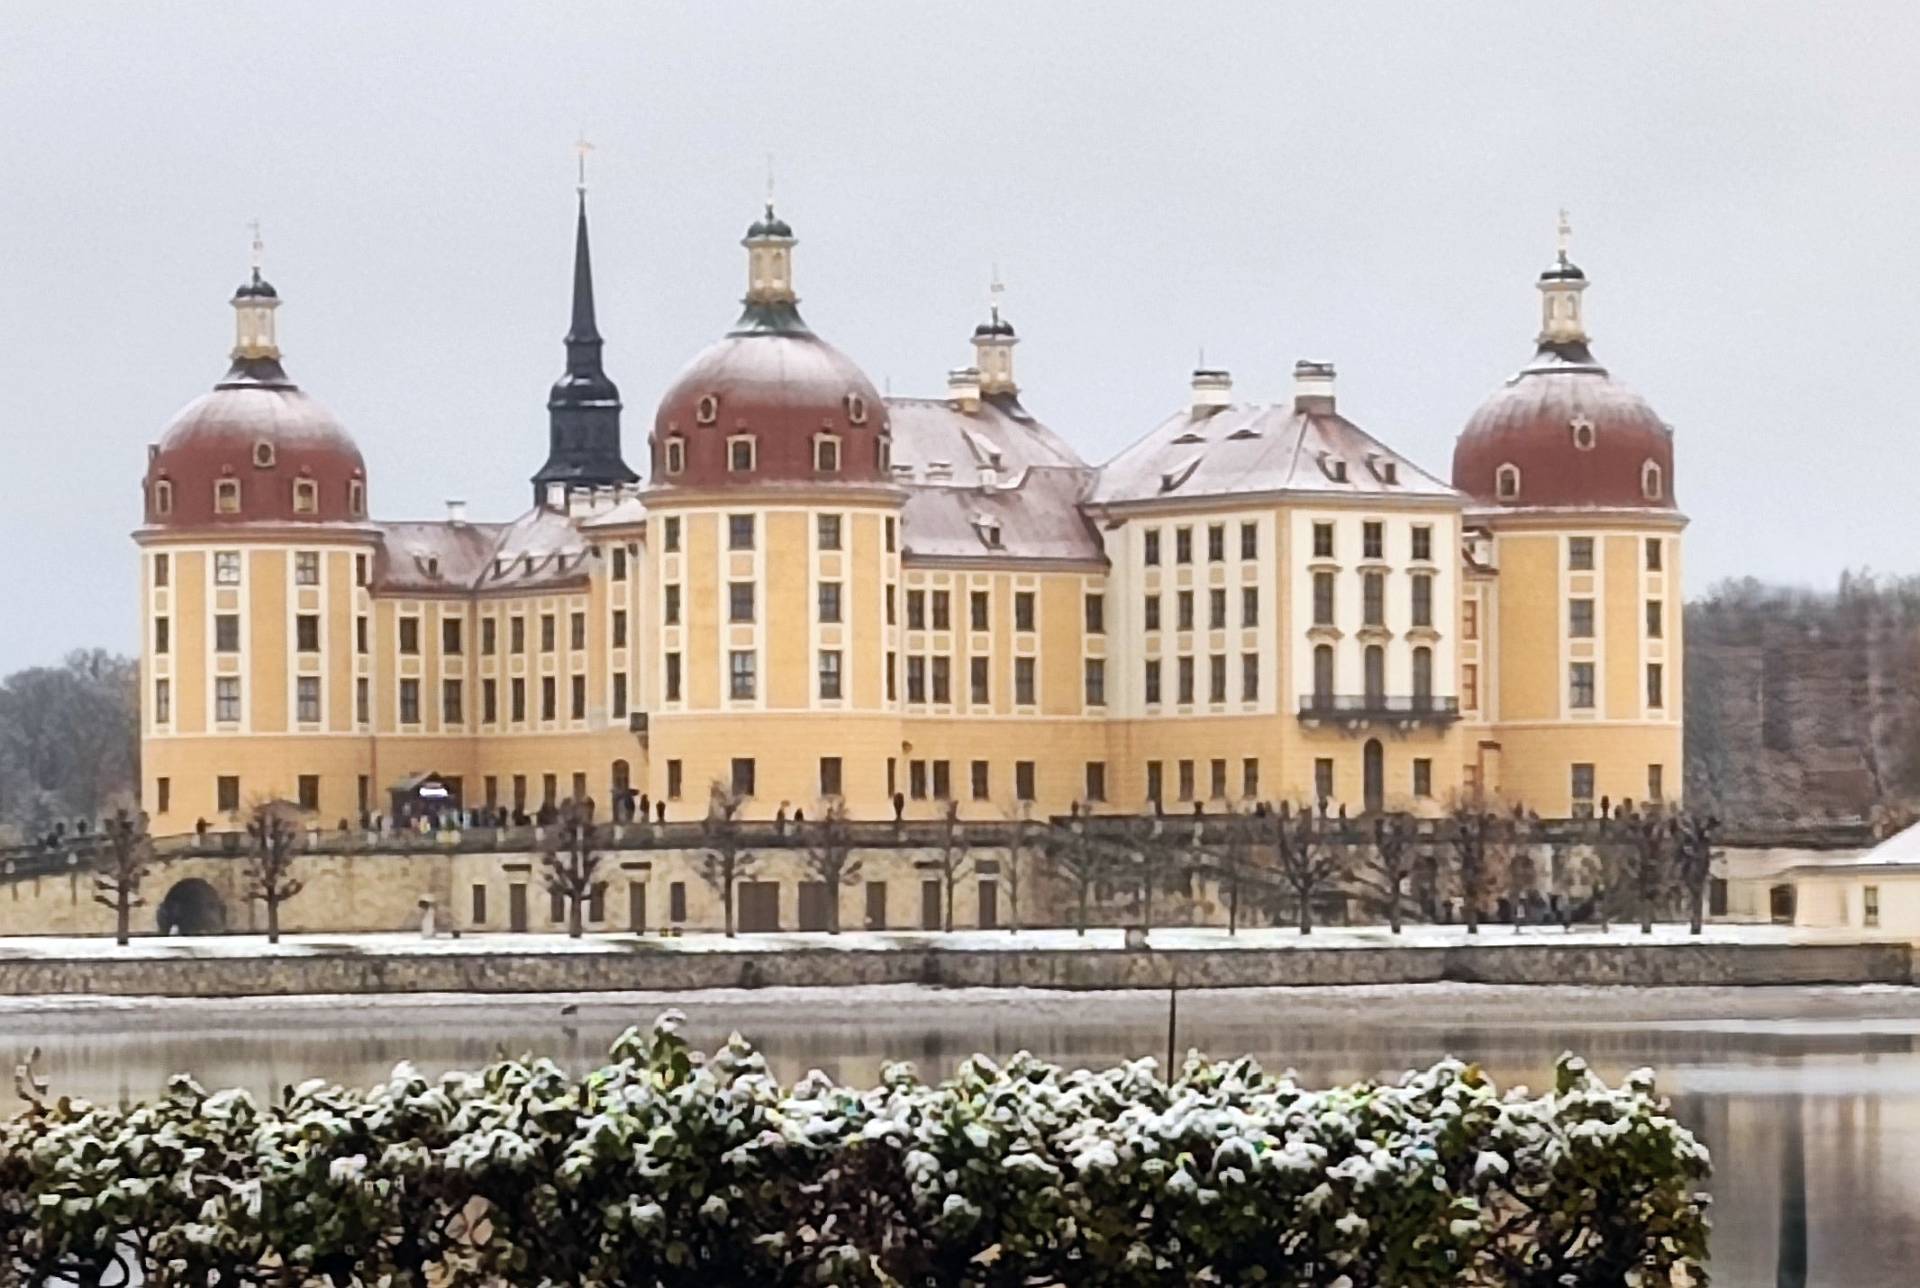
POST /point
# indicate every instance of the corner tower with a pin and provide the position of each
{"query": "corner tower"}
(583, 411)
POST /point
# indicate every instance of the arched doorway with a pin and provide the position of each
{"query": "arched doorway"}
(1373, 772)
(192, 907)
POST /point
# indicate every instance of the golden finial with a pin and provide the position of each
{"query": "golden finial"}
(581, 147)
(1566, 233)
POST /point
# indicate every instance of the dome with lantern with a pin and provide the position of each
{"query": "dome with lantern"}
(1563, 433)
(770, 402)
(255, 449)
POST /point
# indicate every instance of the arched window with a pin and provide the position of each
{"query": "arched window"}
(1373, 776)
(1652, 484)
(1323, 671)
(306, 496)
(1422, 675)
(226, 496)
(1376, 663)
(676, 454)
(1506, 482)
(356, 498)
(163, 497)
(826, 453)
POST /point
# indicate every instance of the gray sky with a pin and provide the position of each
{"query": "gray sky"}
(1372, 184)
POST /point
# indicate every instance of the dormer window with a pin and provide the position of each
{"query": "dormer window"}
(988, 528)
(1333, 467)
(826, 454)
(226, 496)
(306, 497)
(883, 453)
(676, 455)
(1506, 482)
(263, 455)
(740, 454)
(163, 497)
(1652, 481)
(1584, 435)
(356, 498)
(856, 409)
(1388, 472)
(707, 410)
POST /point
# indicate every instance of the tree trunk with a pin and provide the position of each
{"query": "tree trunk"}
(576, 897)
(1233, 902)
(726, 901)
(952, 881)
(1393, 909)
(273, 919)
(123, 916)
(1696, 910)
(833, 904)
(1306, 914)
(1080, 920)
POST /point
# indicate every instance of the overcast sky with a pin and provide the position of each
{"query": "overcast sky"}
(1371, 184)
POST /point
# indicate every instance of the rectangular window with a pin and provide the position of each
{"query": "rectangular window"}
(1580, 686)
(1869, 905)
(450, 702)
(742, 675)
(826, 454)
(943, 679)
(306, 568)
(1323, 778)
(1023, 610)
(549, 634)
(916, 678)
(1581, 788)
(740, 601)
(1153, 681)
(306, 632)
(1183, 545)
(1249, 677)
(1656, 685)
(517, 635)
(1216, 542)
(830, 673)
(1096, 682)
(1250, 779)
(1151, 612)
(1470, 618)
(1373, 540)
(1096, 614)
(740, 454)
(1150, 547)
(673, 780)
(619, 628)
(226, 633)
(577, 698)
(363, 700)
(1154, 784)
(1249, 540)
(1580, 554)
(1373, 599)
(670, 605)
(162, 795)
(942, 611)
(490, 701)
(1217, 678)
(1656, 782)
(226, 792)
(1580, 619)
(1654, 554)
(1323, 599)
(1023, 779)
(893, 676)
(1186, 681)
(977, 780)
(677, 895)
(829, 596)
(826, 533)
(226, 568)
(489, 636)
(888, 528)
(306, 699)
(916, 610)
(162, 571)
(1096, 780)
(1183, 609)
(893, 611)
(670, 535)
(1470, 687)
(743, 776)
(1249, 606)
(577, 632)
(739, 532)
(619, 572)
(1656, 619)
(517, 700)
(1184, 772)
(549, 698)
(1422, 777)
(162, 701)
(978, 609)
(1323, 541)
(830, 776)
(409, 702)
(978, 690)
(1217, 780)
(410, 636)
(1422, 599)
(942, 780)
(1023, 681)
(619, 695)
(162, 635)
(1422, 542)
(362, 571)
(226, 699)
(450, 636)
(673, 677)
(917, 779)
(1217, 610)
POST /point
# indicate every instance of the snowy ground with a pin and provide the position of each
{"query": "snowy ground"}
(71, 948)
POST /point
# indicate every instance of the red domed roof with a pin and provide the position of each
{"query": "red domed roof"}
(292, 461)
(784, 389)
(1565, 433)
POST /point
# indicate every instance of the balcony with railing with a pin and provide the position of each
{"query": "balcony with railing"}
(1379, 708)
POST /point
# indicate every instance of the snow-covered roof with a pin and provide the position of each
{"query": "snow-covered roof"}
(539, 550)
(929, 433)
(1258, 449)
(1036, 516)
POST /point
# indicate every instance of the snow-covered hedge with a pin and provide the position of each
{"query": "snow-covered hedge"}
(664, 1168)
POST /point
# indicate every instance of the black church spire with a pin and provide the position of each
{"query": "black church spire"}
(584, 409)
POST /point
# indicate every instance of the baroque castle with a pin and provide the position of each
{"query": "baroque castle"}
(817, 593)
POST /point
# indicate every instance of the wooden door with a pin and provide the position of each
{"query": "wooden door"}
(814, 905)
(929, 905)
(637, 906)
(989, 905)
(758, 906)
(876, 905)
(517, 907)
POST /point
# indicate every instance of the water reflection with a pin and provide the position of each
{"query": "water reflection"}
(1809, 1098)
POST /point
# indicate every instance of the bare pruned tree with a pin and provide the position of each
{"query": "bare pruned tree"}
(1231, 854)
(270, 876)
(1081, 858)
(126, 858)
(1023, 841)
(571, 862)
(827, 848)
(1693, 838)
(1310, 858)
(1645, 835)
(1391, 860)
(1477, 836)
(724, 859)
(953, 858)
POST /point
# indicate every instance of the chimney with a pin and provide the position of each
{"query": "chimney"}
(1212, 390)
(1312, 386)
(456, 512)
(963, 388)
(939, 472)
(989, 476)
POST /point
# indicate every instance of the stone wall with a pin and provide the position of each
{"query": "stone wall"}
(629, 966)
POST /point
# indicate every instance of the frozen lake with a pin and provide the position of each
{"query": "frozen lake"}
(1808, 1097)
